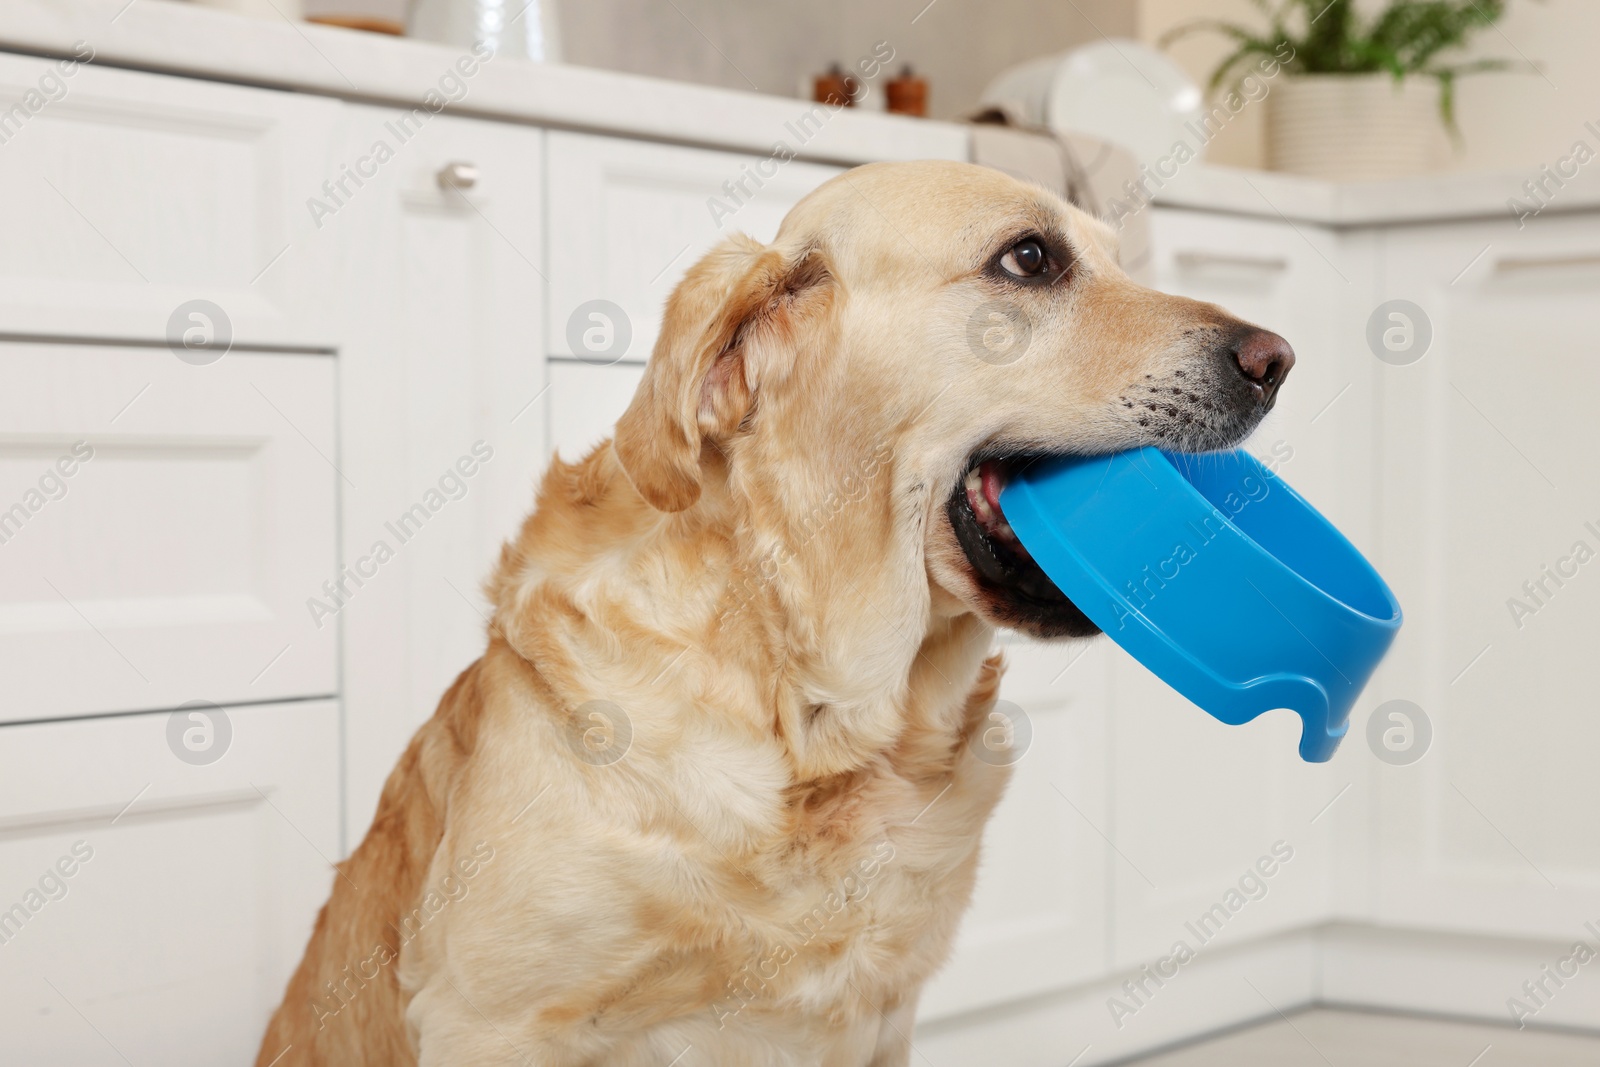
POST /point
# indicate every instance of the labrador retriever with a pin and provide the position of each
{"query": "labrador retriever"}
(715, 790)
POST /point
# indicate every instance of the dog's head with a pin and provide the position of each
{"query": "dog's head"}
(916, 334)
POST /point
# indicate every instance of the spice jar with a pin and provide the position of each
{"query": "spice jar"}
(907, 94)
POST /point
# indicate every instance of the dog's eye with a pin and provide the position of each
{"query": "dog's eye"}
(1025, 259)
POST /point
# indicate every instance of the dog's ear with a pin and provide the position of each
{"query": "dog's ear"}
(732, 322)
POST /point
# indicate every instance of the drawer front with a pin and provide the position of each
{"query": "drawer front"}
(129, 196)
(152, 906)
(629, 218)
(162, 526)
(585, 402)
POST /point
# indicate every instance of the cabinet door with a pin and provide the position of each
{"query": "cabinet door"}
(628, 218)
(1038, 916)
(1197, 803)
(158, 889)
(442, 409)
(1490, 538)
(1302, 282)
(136, 200)
(161, 528)
(585, 402)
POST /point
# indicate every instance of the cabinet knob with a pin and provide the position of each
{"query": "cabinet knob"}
(457, 175)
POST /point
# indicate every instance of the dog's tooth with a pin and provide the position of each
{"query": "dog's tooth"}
(973, 484)
(980, 506)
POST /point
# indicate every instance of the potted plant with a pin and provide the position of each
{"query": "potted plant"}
(1362, 98)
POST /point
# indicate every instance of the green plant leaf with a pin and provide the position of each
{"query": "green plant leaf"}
(1405, 39)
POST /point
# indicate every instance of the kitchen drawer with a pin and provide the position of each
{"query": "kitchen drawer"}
(152, 907)
(130, 195)
(628, 218)
(162, 526)
(585, 402)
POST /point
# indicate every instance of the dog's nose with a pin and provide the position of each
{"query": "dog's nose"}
(1264, 358)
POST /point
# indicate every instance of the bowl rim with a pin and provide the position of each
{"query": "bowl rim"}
(1170, 470)
(1395, 617)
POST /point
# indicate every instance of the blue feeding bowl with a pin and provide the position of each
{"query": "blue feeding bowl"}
(1218, 577)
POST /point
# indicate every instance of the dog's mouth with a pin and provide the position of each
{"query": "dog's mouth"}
(1016, 590)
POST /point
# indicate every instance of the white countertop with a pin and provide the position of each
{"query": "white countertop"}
(159, 35)
(1430, 198)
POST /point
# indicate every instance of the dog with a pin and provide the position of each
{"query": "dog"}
(714, 792)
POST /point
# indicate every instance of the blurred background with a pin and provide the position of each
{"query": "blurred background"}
(772, 47)
(298, 298)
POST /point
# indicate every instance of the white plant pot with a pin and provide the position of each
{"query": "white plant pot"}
(1355, 127)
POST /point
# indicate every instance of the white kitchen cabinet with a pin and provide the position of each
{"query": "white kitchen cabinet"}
(628, 218)
(154, 906)
(129, 196)
(1303, 282)
(1039, 912)
(585, 402)
(1485, 505)
(1196, 803)
(443, 406)
(162, 525)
